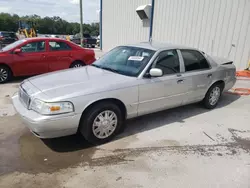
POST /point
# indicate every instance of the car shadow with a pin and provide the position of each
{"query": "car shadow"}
(166, 117)
(140, 124)
(67, 143)
(18, 80)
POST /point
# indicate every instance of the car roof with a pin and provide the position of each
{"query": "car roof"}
(159, 46)
(43, 38)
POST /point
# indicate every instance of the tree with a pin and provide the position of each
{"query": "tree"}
(46, 25)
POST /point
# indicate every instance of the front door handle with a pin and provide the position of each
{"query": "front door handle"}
(209, 75)
(180, 81)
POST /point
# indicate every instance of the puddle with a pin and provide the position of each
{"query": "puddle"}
(30, 154)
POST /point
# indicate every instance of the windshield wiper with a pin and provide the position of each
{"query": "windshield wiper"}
(106, 68)
(96, 66)
(112, 70)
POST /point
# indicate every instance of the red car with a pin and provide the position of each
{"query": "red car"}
(33, 56)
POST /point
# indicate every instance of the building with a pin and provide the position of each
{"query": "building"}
(218, 27)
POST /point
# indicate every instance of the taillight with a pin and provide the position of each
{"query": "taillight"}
(1, 37)
(85, 41)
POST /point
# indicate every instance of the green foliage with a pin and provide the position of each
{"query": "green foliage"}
(46, 25)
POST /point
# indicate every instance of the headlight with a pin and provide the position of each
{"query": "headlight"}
(47, 108)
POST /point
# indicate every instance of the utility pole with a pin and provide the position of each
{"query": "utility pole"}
(81, 22)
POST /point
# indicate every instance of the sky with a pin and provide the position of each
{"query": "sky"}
(66, 9)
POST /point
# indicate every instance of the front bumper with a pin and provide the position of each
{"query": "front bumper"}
(47, 126)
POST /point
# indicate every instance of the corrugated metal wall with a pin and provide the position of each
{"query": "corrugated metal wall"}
(219, 27)
(121, 24)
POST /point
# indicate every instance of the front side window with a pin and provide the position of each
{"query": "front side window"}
(168, 62)
(58, 46)
(126, 60)
(34, 47)
(194, 60)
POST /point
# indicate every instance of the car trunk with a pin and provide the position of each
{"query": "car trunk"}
(89, 40)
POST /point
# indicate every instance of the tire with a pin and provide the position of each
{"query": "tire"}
(212, 96)
(5, 74)
(77, 64)
(97, 134)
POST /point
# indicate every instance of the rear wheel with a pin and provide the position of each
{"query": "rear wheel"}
(5, 74)
(101, 123)
(77, 64)
(213, 96)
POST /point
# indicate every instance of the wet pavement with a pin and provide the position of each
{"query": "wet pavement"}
(165, 148)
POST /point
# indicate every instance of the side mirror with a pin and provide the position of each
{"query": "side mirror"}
(154, 72)
(17, 51)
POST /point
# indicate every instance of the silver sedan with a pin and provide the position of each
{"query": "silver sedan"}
(129, 81)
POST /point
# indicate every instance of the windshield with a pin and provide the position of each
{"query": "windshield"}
(125, 60)
(13, 45)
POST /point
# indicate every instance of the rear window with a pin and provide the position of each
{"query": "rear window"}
(57, 46)
(7, 34)
(86, 35)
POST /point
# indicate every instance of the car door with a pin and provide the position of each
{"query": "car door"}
(59, 56)
(167, 91)
(198, 74)
(31, 60)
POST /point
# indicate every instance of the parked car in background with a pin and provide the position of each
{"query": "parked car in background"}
(75, 39)
(54, 36)
(127, 82)
(98, 41)
(88, 41)
(7, 37)
(33, 56)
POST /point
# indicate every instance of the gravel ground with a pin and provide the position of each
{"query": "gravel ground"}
(182, 147)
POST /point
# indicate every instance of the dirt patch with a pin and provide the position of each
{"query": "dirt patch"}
(54, 154)
(23, 152)
(244, 143)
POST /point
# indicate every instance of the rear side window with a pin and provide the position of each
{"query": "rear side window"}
(86, 36)
(58, 46)
(194, 60)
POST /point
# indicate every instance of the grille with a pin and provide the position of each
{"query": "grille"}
(24, 97)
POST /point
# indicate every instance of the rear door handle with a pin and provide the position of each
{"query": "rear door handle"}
(180, 81)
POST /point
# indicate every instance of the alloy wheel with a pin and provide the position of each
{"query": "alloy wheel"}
(3, 74)
(77, 66)
(214, 95)
(104, 124)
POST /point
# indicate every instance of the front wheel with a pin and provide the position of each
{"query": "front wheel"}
(213, 96)
(101, 123)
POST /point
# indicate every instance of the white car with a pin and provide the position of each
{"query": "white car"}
(127, 82)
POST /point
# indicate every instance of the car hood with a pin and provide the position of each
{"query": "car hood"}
(80, 81)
